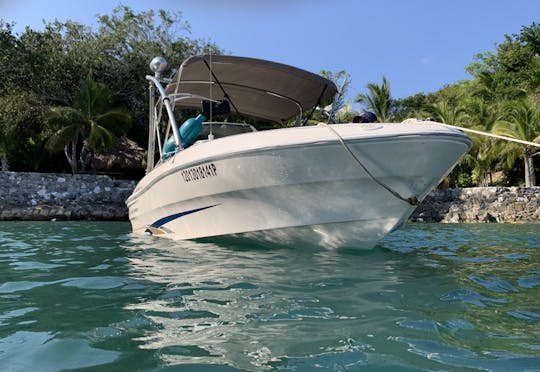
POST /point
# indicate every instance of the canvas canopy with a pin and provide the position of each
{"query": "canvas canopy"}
(253, 87)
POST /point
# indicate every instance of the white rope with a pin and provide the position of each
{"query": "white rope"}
(413, 200)
(490, 135)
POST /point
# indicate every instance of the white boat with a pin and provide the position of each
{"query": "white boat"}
(333, 185)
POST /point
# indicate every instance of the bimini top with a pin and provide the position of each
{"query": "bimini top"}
(253, 87)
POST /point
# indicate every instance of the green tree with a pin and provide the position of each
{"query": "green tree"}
(510, 67)
(8, 43)
(522, 122)
(445, 112)
(484, 155)
(340, 107)
(89, 120)
(21, 115)
(46, 68)
(129, 40)
(412, 107)
(378, 99)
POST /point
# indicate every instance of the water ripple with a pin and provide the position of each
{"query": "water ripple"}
(470, 296)
(459, 357)
(40, 346)
(529, 282)
(494, 284)
(430, 297)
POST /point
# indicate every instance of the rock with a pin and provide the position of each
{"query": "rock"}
(33, 196)
(481, 204)
(62, 197)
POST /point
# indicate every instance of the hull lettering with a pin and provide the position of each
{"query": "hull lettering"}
(199, 172)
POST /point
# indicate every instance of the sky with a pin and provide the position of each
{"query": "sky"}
(418, 45)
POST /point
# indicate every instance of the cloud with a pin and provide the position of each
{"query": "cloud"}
(426, 60)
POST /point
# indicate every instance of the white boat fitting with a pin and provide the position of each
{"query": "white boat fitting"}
(332, 185)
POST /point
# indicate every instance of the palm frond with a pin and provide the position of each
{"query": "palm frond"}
(99, 139)
(60, 117)
(524, 118)
(62, 137)
(378, 99)
(116, 121)
(93, 98)
(505, 128)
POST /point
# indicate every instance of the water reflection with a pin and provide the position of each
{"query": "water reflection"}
(449, 296)
(430, 297)
(258, 308)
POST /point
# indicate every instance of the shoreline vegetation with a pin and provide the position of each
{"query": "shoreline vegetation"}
(28, 196)
(72, 95)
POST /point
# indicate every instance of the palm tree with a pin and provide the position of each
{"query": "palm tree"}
(523, 122)
(444, 112)
(485, 152)
(487, 86)
(89, 121)
(342, 79)
(378, 99)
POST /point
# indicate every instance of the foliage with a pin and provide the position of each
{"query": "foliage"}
(41, 73)
(522, 122)
(43, 69)
(21, 115)
(89, 120)
(413, 106)
(378, 99)
(501, 98)
(339, 107)
(131, 41)
(513, 69)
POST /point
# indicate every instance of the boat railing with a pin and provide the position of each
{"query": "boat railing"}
(175, 97)
(156, 114)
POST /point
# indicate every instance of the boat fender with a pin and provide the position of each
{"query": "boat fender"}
(169, 148)
(189, 130)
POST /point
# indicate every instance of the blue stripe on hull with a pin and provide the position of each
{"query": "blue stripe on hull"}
(157, 225)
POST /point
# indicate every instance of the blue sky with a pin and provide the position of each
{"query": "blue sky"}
(419, 45)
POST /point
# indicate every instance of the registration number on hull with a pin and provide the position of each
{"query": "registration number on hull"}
(199, 172)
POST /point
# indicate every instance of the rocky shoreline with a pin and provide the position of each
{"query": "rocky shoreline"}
(44, 197)
(47, 196)
(480, 205)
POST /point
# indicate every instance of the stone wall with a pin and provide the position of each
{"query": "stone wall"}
(41, 196)
(45, 196)
(480, 204)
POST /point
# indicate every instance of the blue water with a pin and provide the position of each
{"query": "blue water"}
(93, 296)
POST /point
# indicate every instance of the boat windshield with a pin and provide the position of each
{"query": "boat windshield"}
(221, 129)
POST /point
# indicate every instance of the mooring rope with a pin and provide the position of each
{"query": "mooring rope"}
(528, 143)
(413, 200)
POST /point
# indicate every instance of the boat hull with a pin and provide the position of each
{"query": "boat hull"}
(333, 186)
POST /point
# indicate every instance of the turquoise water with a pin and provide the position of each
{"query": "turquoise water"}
(92, 296)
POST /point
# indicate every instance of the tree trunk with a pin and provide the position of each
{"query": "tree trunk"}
(71, 154)
(83, 158)
(74, 157)
(530, 178)
(93, 160)
(5, 165)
